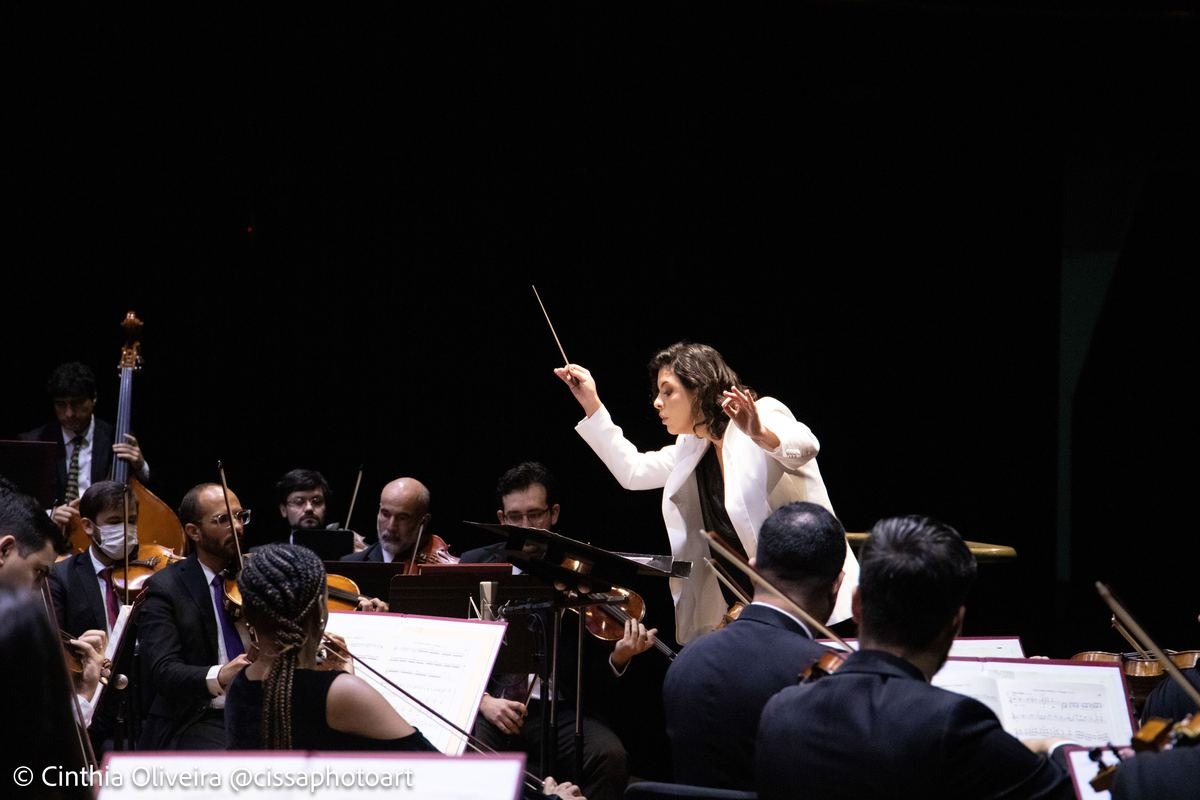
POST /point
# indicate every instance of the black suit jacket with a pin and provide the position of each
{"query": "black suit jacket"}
(716, 688)
(102, 452)
(1169, 700)
(877, 728)
(372, 553)
(77, 599)
(1170, 775)
(177, 637)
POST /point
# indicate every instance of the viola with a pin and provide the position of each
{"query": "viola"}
(344, 594)
(607, 621)
(1143, 672)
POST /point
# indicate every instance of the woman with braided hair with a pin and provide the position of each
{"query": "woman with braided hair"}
(284, 700)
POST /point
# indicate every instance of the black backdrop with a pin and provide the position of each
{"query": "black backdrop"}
(330, 224)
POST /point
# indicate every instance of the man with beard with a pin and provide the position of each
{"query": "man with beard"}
(401, 520)
(190, 646)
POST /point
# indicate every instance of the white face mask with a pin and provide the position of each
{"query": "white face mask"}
(114, 540)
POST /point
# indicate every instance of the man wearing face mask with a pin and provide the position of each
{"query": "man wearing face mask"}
(85, 599)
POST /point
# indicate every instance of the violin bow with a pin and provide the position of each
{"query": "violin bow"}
(125, 533)
(229, 510)
(725, 580)
(531, 780)
(354, 497)
(1129, 622)
(757, 577)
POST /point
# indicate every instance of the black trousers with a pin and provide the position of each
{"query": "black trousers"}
(605, 764)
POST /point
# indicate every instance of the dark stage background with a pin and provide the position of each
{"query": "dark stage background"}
(330, 224)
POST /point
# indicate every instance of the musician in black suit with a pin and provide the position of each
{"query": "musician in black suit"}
(87, 440)
(876, 727)
(716, 689)
(190, 648)
(1170, 775)
(83, 586)
(508, 719)
(401, 520)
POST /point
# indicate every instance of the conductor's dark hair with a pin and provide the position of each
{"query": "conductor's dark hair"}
(521, 477)
(281, 588)
(801, 544)
(23, 518)
(72, 379)
(301, 480)
(915, 575)
(703, 371)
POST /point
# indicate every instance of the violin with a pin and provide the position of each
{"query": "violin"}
(151, 558)
(606, 621)
(731, 614)
(433, 550)
(344, 594)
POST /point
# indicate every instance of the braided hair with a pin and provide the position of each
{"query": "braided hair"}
(281, 586)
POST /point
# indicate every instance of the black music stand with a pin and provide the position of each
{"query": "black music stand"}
(448, 592)
(574, 566)
(32, 467)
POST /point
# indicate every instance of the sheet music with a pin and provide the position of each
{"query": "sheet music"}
(1037, 699)
(973, 647)
(110, 649)
(443, 662)
(292, 776)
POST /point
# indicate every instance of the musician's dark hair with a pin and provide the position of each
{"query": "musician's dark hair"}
(524, 475)
(23, 518)
(302, 480)
(281, 586)
(703, 371)
(72, 379)
(915, 575)
(803, 545)
(101, 496)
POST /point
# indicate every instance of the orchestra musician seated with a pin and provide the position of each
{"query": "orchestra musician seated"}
(876, 727)
(714, 693)
(29, 542)
(289, 698)
(190, 645)
(86, 599)
(400, 522)
(304, 496)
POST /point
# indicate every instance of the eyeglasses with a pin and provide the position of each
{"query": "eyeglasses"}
(242, 517)
(301, 502)
(533, 515)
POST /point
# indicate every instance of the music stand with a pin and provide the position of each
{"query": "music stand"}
(572, 565)
(448, 592)
(32, 467)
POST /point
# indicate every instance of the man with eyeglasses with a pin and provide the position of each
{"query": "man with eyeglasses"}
(304, 497)
(526, 495)
(88, 446)
(190, 645)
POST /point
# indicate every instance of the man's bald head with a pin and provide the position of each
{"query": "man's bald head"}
(403, 512)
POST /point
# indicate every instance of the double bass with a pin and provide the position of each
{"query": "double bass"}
(157, 522)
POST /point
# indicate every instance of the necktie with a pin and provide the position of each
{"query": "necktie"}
(233, 642)
(73, 470)
(110, 597)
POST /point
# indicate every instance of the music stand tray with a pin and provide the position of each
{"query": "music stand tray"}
(577, 565)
